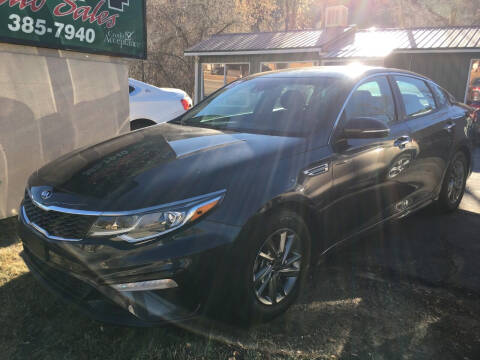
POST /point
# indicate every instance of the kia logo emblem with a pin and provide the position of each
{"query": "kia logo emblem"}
(46, 194)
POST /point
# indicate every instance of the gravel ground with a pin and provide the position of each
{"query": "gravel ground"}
(410, 290)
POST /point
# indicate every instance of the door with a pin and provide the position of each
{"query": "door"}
(432, 132)
(368, 174)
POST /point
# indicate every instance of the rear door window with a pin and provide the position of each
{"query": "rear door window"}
(417, 97)
(440, 95)
(372, 99)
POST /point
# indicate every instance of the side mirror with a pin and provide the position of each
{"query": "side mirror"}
(365, 128)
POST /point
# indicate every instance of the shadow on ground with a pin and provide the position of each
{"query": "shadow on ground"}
(408, 290)
(8, 232)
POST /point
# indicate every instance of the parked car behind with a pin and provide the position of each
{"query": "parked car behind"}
(476, 123)
(226, 206)
(150, 105)
(474, 93)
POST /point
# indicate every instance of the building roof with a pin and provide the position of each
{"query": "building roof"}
(260, 42)
(381, 42)
(348, 44)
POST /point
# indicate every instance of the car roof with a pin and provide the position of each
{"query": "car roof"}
(353, 72)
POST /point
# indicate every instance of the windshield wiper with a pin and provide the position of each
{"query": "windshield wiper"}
(201, 125)
(208, 118)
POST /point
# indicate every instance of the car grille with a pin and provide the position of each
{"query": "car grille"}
(57, 224)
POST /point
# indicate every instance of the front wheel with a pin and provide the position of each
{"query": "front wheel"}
(453, 186)
(274, 268)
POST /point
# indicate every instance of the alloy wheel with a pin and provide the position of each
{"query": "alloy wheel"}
(456, 181)
(277, 267)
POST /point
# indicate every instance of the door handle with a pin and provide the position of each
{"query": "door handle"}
(449, 127)
(317, 170)
(402, 141)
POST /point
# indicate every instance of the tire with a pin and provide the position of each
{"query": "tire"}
(453, 186)
(252, 304)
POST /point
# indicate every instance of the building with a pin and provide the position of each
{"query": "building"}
(448, 55)
(53, 102)
(53, 99)
(223, 58)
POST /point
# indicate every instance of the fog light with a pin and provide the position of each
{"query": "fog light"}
(146, 285)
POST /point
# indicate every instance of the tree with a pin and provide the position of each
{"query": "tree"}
(172, 27)
(301, 14)
(175, 25)
(257, 15)
(441, 12)
(275, 15)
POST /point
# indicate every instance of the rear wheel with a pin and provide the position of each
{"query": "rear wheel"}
(453, 186)
(274, 268)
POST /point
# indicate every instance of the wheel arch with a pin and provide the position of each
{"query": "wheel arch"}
(468, 155)
(302, 206)
(141, 123)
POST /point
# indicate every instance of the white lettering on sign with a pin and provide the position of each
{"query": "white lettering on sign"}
(82, 13)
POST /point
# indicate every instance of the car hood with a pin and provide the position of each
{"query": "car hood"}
(158, 165)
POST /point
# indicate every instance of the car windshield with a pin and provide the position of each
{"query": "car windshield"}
(286, 106)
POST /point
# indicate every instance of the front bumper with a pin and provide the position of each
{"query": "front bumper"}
(83, 273)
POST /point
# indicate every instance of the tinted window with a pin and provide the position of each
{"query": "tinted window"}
(305, 89)
(439, 95)
(417, 97)
(372, 99)
(288, 106)
(131, 89)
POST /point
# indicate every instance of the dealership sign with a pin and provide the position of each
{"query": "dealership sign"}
(111, 27)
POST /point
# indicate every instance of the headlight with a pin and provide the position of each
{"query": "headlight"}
(148, 225)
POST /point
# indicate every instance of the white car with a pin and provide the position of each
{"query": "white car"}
(150, 105)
